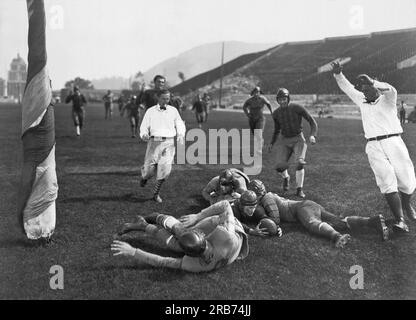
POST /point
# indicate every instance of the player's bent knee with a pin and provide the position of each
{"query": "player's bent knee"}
(280, 167)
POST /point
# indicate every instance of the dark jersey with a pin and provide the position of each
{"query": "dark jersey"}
(288, 120)
(200, 106)
(255, 106)
(108, 99)
(149, 98)
(78, 101)
(132, 109)
(176, 102)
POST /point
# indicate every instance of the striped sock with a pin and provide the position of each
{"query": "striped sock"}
(157, 187)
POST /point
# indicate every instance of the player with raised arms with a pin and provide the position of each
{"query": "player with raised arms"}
(387, 154)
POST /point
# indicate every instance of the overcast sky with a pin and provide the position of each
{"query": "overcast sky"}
(98, 38)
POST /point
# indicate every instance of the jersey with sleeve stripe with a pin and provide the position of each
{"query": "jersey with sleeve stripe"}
(288, 120)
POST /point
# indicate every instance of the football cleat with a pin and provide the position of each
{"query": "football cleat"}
(157, 198)
(300, 193)
(401, 226)
(342, 241)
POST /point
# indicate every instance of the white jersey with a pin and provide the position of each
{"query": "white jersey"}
(379, 117)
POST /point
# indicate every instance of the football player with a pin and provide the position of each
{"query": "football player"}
(133, 114)
(211, 239)
(229, 185)
(315, 218)
(108, 104)
(288, 125)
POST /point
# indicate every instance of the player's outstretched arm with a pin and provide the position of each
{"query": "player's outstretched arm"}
(312, 123)
(387, 90)
(346, 86)
(214, 210)
(154, 260)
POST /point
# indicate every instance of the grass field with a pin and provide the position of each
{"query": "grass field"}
(98, 180)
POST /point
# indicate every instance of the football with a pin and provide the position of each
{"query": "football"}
(268, 224)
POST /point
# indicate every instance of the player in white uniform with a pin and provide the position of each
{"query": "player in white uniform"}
(386, 151)
(210, 239)
(160, 125)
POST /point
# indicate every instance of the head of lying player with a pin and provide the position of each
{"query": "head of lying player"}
(258, 187)
(193, 243)
(247, 203)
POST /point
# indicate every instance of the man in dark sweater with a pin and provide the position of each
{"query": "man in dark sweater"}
(78, 112)
(288, 122)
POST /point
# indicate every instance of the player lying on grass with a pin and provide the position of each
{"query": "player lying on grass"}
(211, 239)
(229, 185)
(315, 218)
(244, 208)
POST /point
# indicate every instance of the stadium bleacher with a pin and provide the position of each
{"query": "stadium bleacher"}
(295, 64)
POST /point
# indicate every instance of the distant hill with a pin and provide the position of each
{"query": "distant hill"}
(112, 83)
(201, 59)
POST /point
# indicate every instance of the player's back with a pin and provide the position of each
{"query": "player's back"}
(285, 206)
(226, 247)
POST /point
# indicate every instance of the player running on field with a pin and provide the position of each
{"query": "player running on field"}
(229, 185)
(288, 123)
(315, 218)
(201, 109)
(108, 104)
(160, 125)
(253, 109)
(211, 239)
(150, 97)
(133, 114)
(78, 112)
(120, 102)
(388, 156)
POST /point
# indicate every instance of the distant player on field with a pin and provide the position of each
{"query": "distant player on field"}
(120, 102)
(315, 218)
(133, 114)
(402, 114)
(78, 112)
(210, 240)
(200, 108)
(288, 123)
(253, 109)
(386, 151)
(108, 104)
(229, 185)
